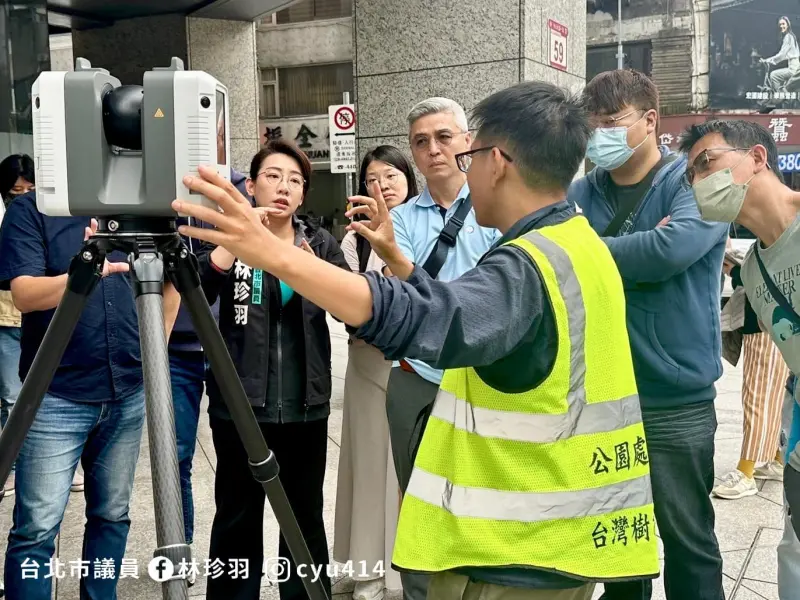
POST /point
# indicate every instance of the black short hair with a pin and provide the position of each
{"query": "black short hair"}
(290, 149)
(12, 168)
(391, 155)
(542, 127)
(611, 91)
(738, 133)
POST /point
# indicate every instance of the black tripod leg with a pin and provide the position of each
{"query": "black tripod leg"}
(147, 273)
(182, 269)
(85, 271)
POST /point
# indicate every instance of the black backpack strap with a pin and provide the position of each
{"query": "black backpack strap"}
(363, 249)
(776, 293)
(447, 239)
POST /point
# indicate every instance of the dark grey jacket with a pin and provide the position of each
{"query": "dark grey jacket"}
(282, 353)
(496, 318)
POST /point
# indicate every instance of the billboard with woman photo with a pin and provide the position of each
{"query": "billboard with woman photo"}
(754, 54)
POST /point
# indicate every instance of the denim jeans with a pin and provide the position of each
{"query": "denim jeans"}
(9, 370)
(105, 437)
(680, 442)
(188, 373)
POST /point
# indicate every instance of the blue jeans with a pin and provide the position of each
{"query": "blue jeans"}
(9, 370)
(680, 442)
(188, 374)
(105, 437)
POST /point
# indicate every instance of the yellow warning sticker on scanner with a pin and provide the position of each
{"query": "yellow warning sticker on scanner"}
(159, 114)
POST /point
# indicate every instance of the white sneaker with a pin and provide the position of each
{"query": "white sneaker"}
(369, 590)
(772, 471)
(735, 485)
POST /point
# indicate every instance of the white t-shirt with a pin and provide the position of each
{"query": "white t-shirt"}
(350, 251)
(782, 263)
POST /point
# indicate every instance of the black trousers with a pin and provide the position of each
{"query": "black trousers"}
(680, 442)
(237, 532)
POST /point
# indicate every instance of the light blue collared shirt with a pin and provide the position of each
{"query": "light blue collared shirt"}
(417, 225)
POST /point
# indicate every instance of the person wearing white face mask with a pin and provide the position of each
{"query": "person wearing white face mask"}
(671, 266)
(730, 168)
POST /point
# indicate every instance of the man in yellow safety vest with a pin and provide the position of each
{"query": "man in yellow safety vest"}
(532, 479)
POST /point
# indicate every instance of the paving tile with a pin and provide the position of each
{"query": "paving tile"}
(763, 565)
(773, 491)
(765, 590)
(738, 521)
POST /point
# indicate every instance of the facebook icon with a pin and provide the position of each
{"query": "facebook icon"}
(160, 569)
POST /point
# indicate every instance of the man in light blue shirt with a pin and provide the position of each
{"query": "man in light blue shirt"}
(438, 130)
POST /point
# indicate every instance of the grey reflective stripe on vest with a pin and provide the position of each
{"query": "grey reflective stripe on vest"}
(576, 313)
(528, 507)
(537, 428)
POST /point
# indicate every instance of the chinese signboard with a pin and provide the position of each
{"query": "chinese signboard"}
(785, 129)
(558, 45)
(309, 133)
(753, 54)
(342, 125)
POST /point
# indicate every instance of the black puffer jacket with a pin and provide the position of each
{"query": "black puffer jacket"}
(252, 321)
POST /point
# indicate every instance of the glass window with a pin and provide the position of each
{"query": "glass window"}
(314, 10)
(268, 105)
(604, 58)
(24, 54)
(311, 89)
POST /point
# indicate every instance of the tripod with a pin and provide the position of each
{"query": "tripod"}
(154, 248)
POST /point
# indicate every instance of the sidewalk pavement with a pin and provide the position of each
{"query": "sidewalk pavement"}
(748, 530)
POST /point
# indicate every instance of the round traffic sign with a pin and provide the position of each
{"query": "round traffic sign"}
(345, 118)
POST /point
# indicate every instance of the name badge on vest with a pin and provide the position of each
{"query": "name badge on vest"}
(241, 291)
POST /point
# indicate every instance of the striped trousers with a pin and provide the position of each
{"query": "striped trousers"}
(763, 385)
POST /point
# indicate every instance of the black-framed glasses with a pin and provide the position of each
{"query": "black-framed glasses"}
(702, 163)
(464, 159)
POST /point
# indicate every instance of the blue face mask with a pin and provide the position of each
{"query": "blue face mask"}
(608, 147)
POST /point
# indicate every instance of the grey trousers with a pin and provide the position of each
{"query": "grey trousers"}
(451, 586)
(409, 401)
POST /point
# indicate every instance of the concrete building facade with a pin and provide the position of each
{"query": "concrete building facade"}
(285, 68)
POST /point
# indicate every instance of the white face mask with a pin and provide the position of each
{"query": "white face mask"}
(719, 198)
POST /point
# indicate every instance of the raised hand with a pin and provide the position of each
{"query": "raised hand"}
(377, 229)
(109, 268)
(239, 227)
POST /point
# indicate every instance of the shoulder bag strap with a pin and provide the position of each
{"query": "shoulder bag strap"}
(447, 239)
(773, 289)
(363, 249)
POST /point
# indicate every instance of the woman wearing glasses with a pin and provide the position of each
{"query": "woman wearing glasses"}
(367, 498)
(281, 346)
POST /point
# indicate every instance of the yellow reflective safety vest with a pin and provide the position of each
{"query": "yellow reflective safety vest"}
(556, 478)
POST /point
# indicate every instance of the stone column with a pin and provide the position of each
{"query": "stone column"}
(227, 50)
(407, 51)
(224, 49)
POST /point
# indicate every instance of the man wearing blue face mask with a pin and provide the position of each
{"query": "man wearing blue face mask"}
(671, 264)
(730, 167)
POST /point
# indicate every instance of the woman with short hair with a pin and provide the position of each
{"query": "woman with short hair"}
(280, 344)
